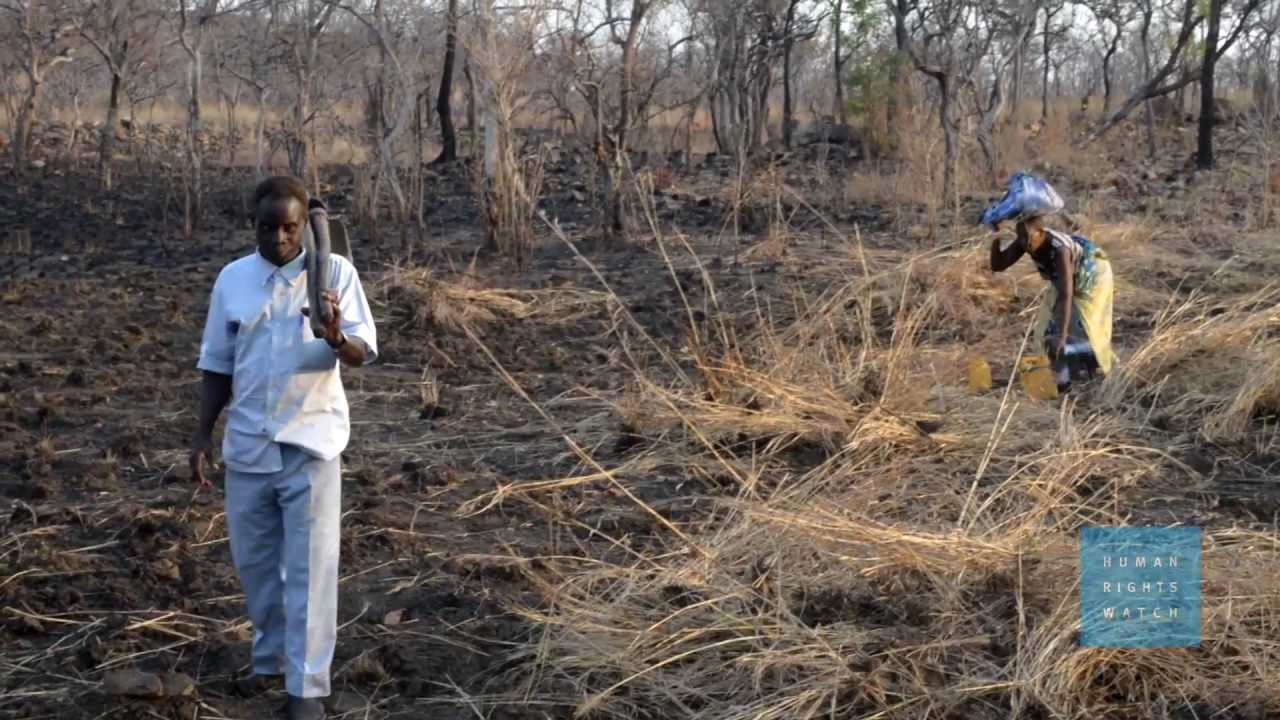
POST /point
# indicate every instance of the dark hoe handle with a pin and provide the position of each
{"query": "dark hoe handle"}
(318, 265)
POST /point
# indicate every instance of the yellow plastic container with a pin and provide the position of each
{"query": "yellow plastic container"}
(979, 376)
(1037, 377)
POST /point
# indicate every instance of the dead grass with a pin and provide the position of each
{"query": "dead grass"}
(1201, 362)
(927, 564)
(416, 298)
(915, 179)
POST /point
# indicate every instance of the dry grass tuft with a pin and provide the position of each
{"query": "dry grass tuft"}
(1206, 365)
(417, 298)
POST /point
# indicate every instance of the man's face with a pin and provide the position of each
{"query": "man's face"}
(280, 226)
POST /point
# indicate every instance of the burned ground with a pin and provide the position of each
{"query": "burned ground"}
(547, 465)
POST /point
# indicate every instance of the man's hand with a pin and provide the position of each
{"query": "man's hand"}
(201, 452)
(333, 329)
(351, 351)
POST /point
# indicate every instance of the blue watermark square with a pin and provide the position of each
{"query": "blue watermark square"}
(1139, 587)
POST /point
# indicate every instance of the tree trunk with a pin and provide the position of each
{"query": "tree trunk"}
(902, 38)
(233, 128)
(26, 118)
(22, 127)
(1019, 63)
(787, 110)
(471, 104)
(73, 134)
(377, 116)
(692, 116)
(949, 140)
(448, 138)
(760, 111)
(1146, 72)
(788, 43)
(195, 190)
(714, 101)
(107, 143)
(837, 66)
(260, 134)
(490, 133)
(618, 141)
(1107, 58)
(298, 138)
(1204, 152)
(1106, 83)
(1044, 91)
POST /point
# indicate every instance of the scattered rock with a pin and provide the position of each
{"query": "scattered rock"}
(828, 130)
(179, 685)
(166, 569)
(133, 683)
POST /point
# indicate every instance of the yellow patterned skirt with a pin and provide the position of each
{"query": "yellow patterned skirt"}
(1090, 312)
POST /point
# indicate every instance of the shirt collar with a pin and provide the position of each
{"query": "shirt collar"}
(290, 271)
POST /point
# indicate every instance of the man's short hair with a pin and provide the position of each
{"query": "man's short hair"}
(280, 187)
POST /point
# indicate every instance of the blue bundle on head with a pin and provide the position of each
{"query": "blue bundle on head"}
(1028, 196)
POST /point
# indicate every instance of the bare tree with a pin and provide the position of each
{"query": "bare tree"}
(949, 48)
(42, 34)
(193, 29)
(119, 31)
(898, 10)
(500, 49)
(1163, 80)
(1016, 25)
(1204, 140)
(396, 103)
(250, 62)
(448, 137)
(1113, 17)
(302, 40)
(863, 21)
(747, 39)
(796, 28)
(618, 90)
(1048, 33)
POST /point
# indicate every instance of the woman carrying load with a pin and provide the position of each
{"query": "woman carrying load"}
(1079, 276)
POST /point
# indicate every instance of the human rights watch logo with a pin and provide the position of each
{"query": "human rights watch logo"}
(1140, 587)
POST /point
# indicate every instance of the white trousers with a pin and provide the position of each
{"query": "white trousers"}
(284, 542)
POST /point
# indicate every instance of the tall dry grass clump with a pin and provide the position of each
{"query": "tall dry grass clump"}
(416, 298)
(1208, 365)
(880, 543)
(914, 178)
(507, 186)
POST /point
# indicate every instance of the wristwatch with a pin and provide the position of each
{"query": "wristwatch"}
(342, 340)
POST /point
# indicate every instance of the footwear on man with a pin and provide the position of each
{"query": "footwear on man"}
(304, 709)
(249, 686)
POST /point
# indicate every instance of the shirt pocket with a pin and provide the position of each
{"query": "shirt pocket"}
(245, 327)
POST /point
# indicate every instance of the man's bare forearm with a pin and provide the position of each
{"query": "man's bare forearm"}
(353, 352)
(215, 393)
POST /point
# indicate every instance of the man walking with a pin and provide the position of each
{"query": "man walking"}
(287, 424)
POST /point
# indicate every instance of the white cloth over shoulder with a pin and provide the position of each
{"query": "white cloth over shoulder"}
(285, 382)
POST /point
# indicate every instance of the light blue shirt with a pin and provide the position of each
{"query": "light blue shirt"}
(285, 383)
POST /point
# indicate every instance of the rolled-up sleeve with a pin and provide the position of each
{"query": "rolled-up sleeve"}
(218, 344)
(357, 318)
